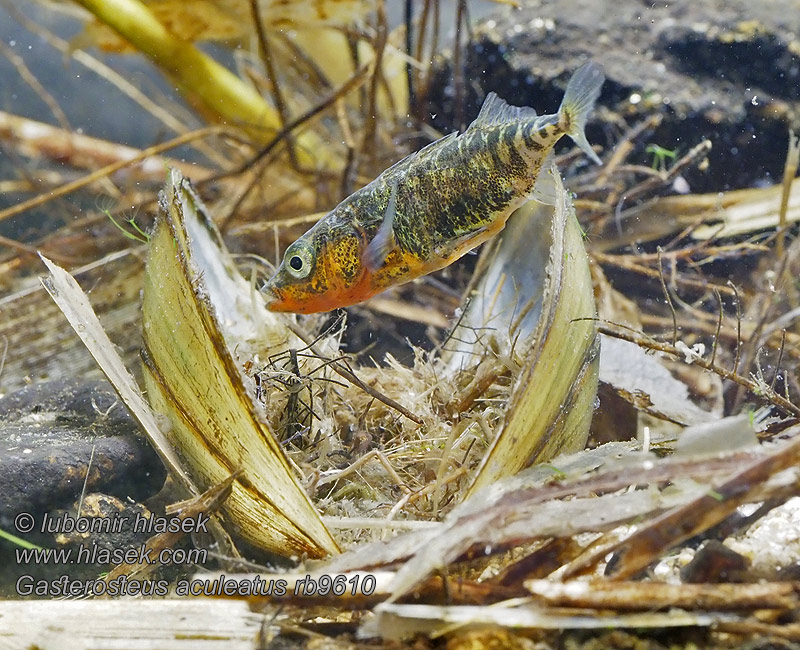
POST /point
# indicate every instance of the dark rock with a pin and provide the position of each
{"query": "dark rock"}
(789, 573)
(79, 402)
(715, 562)
(50, 432)
(111, 523)
(725, 71)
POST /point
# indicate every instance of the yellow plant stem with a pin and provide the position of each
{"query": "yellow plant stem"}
(217, 89)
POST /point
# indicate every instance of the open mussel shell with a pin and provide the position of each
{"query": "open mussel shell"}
(533, 305)
(196, 310)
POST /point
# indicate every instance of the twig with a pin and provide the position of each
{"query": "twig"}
(109, 169)
(682, 163)
(458, 68)
(342, 371)
(437, 20)
(759, 630)
(357, 523)
(712, 253)
(728, 332)
(789, 172)
(669, 299)
(272, 76)
(425, 82)
(25, 72)
(408, 19)
(3, 356)
(625, 262)
(423, 30)
(350, 167)
(719, 327)
(700, 321)
(644, 341)
(354, 82)
(260, 167)
(738, 326)
(764, 302)
(778, 364)
(653, 596)
(371, 118)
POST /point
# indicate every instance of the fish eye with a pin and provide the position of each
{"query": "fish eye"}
(298, 261)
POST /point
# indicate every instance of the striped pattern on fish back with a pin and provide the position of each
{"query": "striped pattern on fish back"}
(457, 187)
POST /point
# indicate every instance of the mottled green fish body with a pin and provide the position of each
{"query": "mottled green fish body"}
(433, 206)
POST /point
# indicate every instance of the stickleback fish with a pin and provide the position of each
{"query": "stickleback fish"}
(434, 206)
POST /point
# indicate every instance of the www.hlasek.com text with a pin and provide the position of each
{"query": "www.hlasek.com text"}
(92, 553)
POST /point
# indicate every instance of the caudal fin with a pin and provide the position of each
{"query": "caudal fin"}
(582, 92)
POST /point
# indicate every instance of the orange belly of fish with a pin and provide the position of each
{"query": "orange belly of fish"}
(332, 299)
(370, 284)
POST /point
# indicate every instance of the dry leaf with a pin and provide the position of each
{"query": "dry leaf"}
(641, 380)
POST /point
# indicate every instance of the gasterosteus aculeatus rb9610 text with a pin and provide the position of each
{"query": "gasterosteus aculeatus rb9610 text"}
(432, 207)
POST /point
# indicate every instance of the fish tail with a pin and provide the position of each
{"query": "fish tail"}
(582, 92)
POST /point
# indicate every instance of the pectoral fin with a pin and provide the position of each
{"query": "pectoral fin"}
(383, 241)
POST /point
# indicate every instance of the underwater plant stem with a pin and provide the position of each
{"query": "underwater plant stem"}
(18, 541)
(668, 299)
(789, 172)
(68, 188)
(408, 17)
(33, 82)
(458, 69)
(218, 90)
(272, 75)
(371, 118)
(629, 263)
(32, 250)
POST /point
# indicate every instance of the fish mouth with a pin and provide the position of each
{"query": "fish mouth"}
(270, 296)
